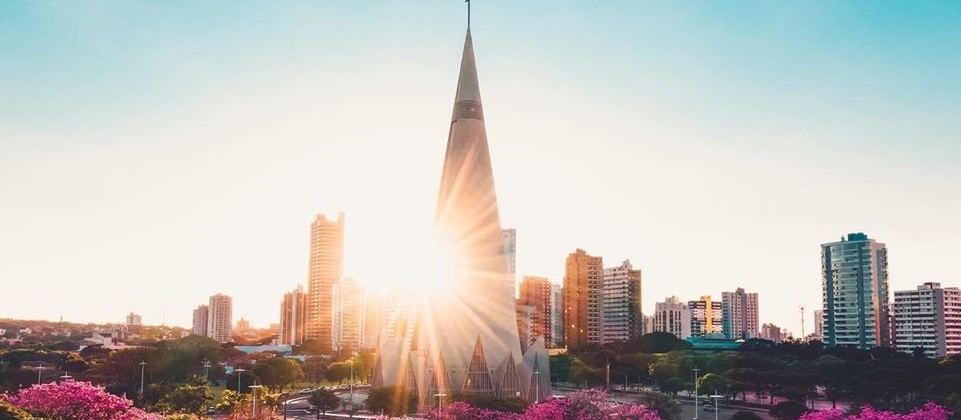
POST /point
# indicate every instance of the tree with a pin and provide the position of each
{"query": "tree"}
(324, 400)
(665, 407)
(313, 347)
(314, 368)
(672, 386)
(9, 412)
(656, 342)
(392, 401)
(189, 399)
(278, 372)
(712, 383)
(338, 372)
(788, 410)
(745, 415)
(72, 400)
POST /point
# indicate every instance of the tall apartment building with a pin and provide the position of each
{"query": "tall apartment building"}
(854, 285)
(201, 316)
(621, 304)
(774, 333)
(375, 312)
(243, 325)
(293, 317)
(707, 316)
(557, 316)
(583, 283)
(134, 320)
(672, 316)
(536, 292)
(928, 318)
(348, 315)
(525, 324)
(220, 313)
(819, 324)
(740, 314)
(510, 251)
(325, 269)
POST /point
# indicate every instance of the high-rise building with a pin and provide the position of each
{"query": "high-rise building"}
(465, 337)
(348, 315)
(525, 324)
(536, 293)
(707, 316)
(293, 317)
(509, 237)
(740, 314)
(854, 284)
(928, 318)
(672, 316)
(201, 316)
(375, 312)
(583, 285)
(557, 316)
(243, 325)
(134, 320)
(325, 270)
(774, 333)
(219, 317)
(621, 304)
(819, 324)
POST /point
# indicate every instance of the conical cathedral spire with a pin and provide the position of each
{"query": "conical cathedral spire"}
(467, 101)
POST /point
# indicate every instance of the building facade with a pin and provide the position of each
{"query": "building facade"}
(707, 316)
(219, 318)
(557, 316)
(819, 324)
(672, 316)
(621, 318)
(740, 314)
(583, 285)
(854, 285)
(325, 269)
(509, 237)
(774, 333)
(134, 320)
(293, 317)
(348, 315)
(928, 318)
(536, 292)
(201, 316)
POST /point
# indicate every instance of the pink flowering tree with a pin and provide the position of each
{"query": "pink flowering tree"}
(71, 400)
(929, 411)
(581, 405)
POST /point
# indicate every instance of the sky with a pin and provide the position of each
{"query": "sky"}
(155, 153)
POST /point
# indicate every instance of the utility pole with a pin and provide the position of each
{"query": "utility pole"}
(802, 322)
(696, 370)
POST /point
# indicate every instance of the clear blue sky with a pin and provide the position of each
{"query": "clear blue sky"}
(154, 153)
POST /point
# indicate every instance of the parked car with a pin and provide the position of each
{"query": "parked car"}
(709, 407)
(306, 391)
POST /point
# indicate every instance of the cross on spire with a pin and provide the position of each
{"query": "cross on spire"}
(468, 13)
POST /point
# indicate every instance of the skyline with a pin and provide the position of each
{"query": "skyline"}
(213, 225)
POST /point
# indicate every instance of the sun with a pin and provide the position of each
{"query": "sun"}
(440, 275)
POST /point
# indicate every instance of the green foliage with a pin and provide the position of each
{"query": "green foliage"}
(788, 410)
(9, 412)
(313, 347)
(657, 342)
(664, 406)
(324, 400)
(672, 386)
(392, 401)
(560, 367)
(189, 399)
(228, 401)
(745, 415)
(508, 404)
(314, 368)
(338, 372)
(278, 372)
(712, 383)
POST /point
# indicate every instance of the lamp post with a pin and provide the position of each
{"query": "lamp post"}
(351, 385)
(66, 377)
(607, 377)
(716, 397)
(253, 396)
(39, 372)
(206, 371)
(143, 370)
(696, 370)
(439, 396)
(239, 371)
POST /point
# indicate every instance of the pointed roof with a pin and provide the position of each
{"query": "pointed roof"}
(467, 100)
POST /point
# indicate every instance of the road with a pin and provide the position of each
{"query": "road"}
(689, 409)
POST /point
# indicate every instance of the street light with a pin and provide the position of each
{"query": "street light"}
(439, 396)
(696, 370)
(206, 370)
(351, 385)
(253, 396)
(39, 372)
(716, 397)
(239, 372)
(537, 384)
(66, 377)
(143, 366)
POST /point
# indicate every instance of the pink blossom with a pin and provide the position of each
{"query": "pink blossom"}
(581, 405)
(929, 411)
(72, 400)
